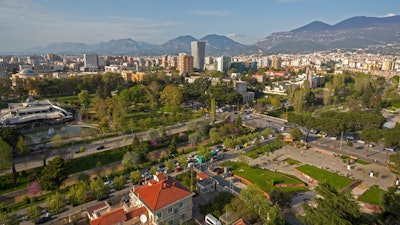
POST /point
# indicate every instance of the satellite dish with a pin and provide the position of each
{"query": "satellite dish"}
(143, 218)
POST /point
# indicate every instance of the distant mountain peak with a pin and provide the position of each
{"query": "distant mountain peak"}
(313, 26)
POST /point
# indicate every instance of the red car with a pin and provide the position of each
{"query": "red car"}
(217, 170)
(177, 169)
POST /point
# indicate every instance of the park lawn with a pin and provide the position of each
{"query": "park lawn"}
(291, 161)
(265, 179)
(373, 196)
(337, 181)
(90, 161)
(24, 179)
(362, 162)
(263, 149)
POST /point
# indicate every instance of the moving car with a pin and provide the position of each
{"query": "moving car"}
(100, 147)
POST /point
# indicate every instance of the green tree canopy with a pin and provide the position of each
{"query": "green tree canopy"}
(171, 97)
(130, 159)
(99, 189)
(391, 206)
(332, 208)
(54, 174)
(55, 202)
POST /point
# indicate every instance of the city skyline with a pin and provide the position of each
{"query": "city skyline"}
(36, 23)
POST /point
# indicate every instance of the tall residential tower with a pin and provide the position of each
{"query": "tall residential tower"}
(198, 52)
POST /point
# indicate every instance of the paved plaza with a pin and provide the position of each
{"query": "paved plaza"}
(382, 178)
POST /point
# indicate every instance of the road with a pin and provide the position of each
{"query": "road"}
(33, 161)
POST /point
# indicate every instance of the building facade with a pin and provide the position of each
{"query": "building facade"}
(185, 63)
(198, 52)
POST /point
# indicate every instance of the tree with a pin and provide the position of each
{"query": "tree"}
(130, 159)
(169, 165)
(298, 101)
(213, 109)
(279, 197)
(370, 135)
(119, 183)
(54, 174)
(5, 155)
(327, 93)
(21, 146)
(135, 176)
(33, 213)
(55, 203)
(239, 122)
(99, 189)
(296, 134)
(77, 194)
(44, 140)
(171, 97)
(172, 145)
(153, 170)
(228, 143)
(153, 134)
(332, 208)
(214, 136)
(391, 207)
(194, 138)
(8, 218)
(204, 153)
(238, 208)
(84, 98)
(182, 160)
(266, 132)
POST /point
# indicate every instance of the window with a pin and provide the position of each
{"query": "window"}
(171, 222)
(159, 215)
(181, 205)
(170, 210)
(183, 216)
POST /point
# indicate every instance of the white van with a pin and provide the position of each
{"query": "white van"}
(211, 220)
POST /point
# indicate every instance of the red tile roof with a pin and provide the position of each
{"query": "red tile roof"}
(91, 209)
(160, 176)
(202, 176)
(113, 217)
(162, 193)
(241, 221)
(137, 212)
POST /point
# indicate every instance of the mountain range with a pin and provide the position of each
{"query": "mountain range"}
(355, 32)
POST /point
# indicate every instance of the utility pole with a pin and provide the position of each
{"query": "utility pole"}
(341, 141)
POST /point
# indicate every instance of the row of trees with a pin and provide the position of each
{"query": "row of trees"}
(334, 122)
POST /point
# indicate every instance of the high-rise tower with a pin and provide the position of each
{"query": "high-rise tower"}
(198, 52)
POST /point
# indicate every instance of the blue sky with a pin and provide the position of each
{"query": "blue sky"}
(32, 23)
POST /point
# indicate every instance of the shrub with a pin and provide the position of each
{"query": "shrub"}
(27, 200)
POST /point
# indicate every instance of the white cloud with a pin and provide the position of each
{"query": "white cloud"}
(389, 15)
(209, 12)
(236, 35)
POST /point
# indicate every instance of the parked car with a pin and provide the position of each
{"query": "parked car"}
(42, 220)
(389, 149)
(217, 170)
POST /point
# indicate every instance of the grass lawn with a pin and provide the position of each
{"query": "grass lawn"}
(24, 179)
(90, 161)
(373, 196)
(291, 161)
(337, 181)
(362, 162)
(263, 149)
(265, 179)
